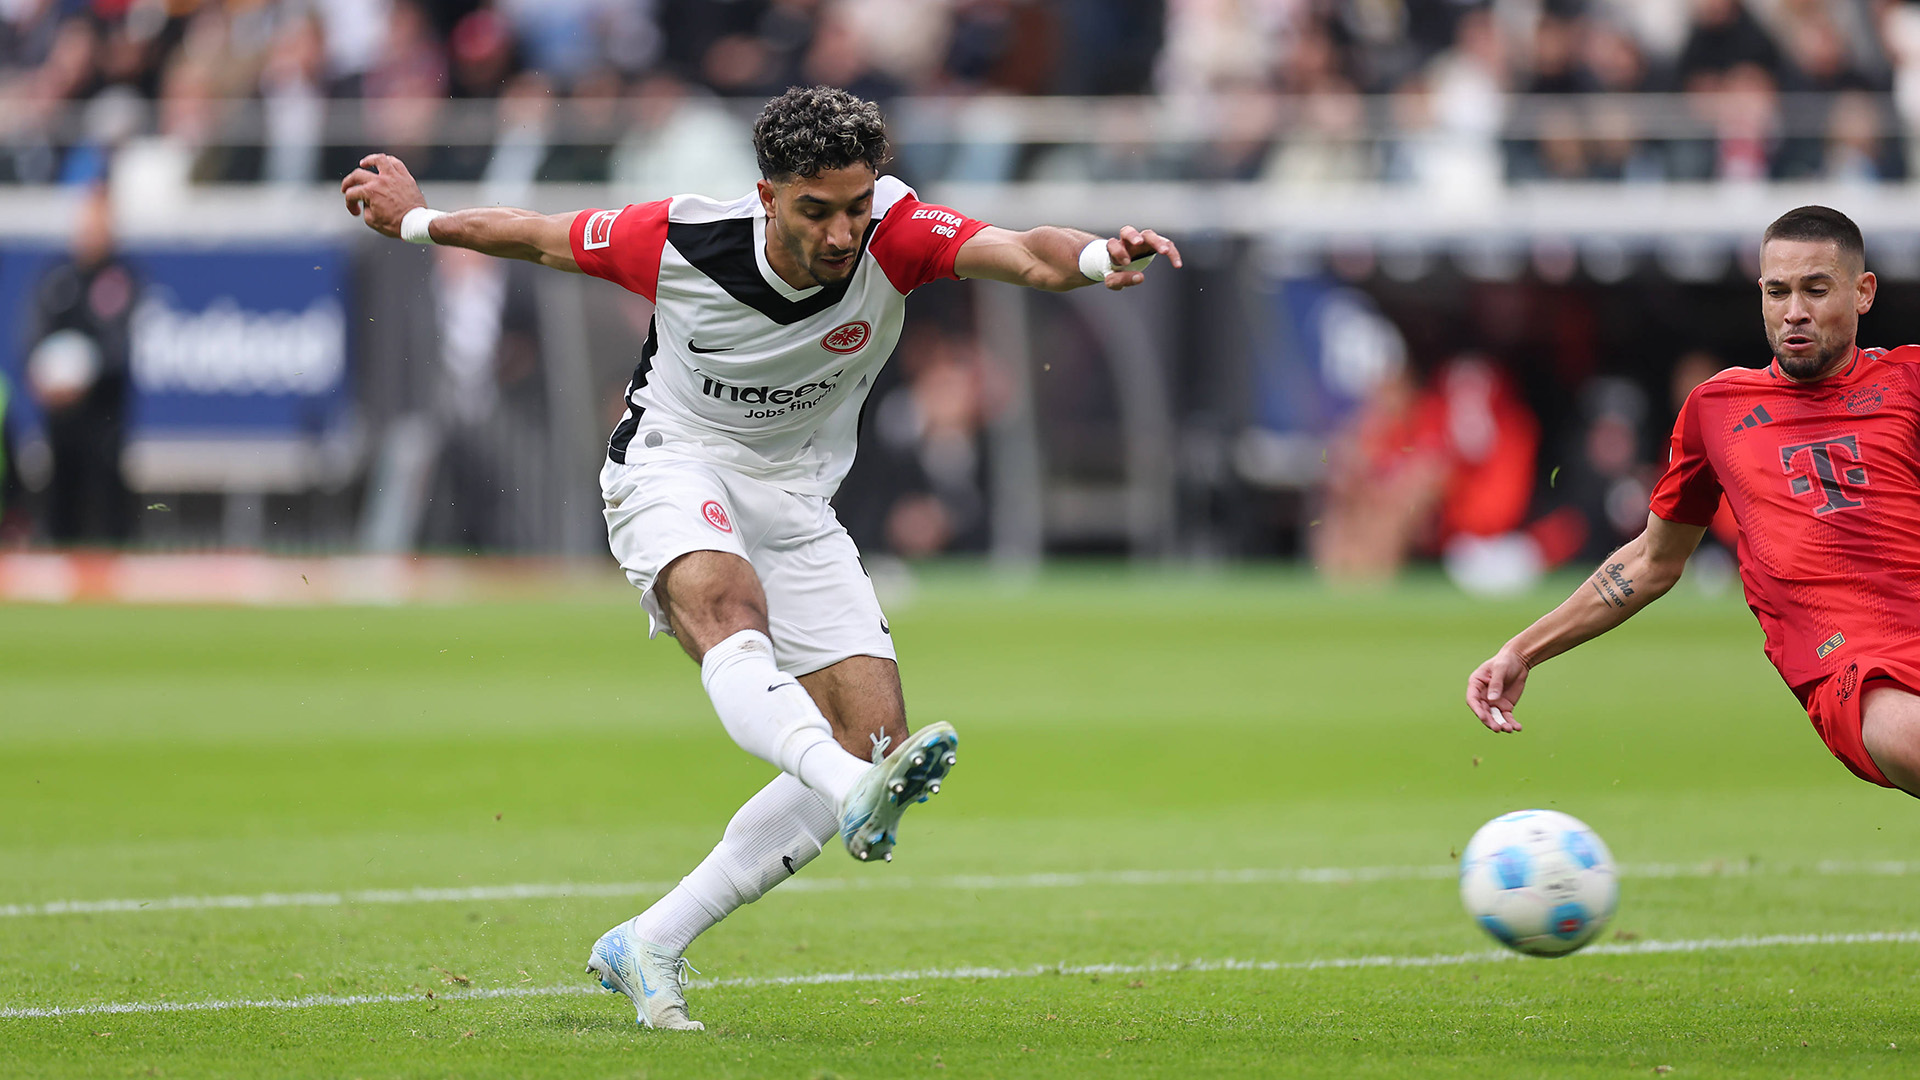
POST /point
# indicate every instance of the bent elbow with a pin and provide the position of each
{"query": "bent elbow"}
(1663, 576)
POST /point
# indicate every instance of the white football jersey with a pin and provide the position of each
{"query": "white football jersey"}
(741, 368)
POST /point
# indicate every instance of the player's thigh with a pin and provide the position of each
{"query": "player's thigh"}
(1890, 729)
(862, 699)
(826, 619)
(664, 514)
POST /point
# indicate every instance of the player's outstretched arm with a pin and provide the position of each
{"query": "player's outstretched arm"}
(381, 191)
(1050, 257)
(1636, 575)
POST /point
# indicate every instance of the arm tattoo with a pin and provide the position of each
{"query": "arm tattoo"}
(1612, 586)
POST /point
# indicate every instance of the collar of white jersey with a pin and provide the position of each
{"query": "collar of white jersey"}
(766, 269)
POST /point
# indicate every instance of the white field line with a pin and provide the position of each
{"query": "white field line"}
(1326, 875)
(1639, 948)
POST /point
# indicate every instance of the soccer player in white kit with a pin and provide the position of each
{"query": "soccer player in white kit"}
(773, 313)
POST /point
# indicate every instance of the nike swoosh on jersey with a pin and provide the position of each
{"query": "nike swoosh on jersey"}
(695, 348)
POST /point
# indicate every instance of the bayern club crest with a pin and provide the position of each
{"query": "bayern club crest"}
(847, 338)
(716, 516)
(1866, 399)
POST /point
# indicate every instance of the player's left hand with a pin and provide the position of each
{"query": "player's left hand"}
(1131, 244)
(1495, 687)
(380, 192)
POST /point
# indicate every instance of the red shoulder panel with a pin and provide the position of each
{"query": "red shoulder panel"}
(917, 242)
(1903, 354)
(623, 246)
(1688, 492)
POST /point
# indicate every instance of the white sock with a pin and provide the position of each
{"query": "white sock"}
(773, 717)
(776, 833)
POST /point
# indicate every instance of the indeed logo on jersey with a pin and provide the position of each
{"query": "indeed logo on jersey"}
(949, 223)
(779, 400)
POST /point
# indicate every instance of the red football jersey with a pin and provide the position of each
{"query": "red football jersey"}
(1824, 479)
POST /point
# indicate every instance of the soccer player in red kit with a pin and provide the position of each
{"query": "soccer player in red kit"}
(1818, 457)
(773, 313)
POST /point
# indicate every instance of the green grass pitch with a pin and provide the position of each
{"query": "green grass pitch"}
(1130, 744)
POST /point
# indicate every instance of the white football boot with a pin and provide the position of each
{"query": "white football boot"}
(870, 816)
(653, 978)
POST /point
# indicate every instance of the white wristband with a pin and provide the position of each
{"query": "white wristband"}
(1096, 264)
(413, 226)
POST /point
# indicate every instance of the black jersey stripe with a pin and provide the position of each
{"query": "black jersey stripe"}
(630, 423)
(723, 251)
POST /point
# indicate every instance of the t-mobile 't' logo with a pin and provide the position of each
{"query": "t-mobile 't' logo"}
(1811, 462)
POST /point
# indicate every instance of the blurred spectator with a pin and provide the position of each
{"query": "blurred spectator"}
(1451, 114)
(1447, 63)
(1857, 149)
(490, 416)
(11, 518)
(1555, 67)
(1604, 477)
(559, 37)
(1821, 61)
(1007, 45)
(1900, 33)
(1381, 487)
(77, 373)
(481, 51)
(293, 95)
(1741, 106)
(525, 117)
(1213, 45)
(403, 90)
(1322, 142)
(1724, 36)
(591, 123)
(922, 488)
(840, 55)
(1612, 62)
(682, 141)
(1420, 468)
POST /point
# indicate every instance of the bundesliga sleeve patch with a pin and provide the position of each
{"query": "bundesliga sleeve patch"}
(599, 230)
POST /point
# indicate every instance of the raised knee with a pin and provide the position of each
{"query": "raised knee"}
(1890, 730)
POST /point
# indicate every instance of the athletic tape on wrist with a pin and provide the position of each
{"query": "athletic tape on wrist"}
(413, 226)
(1096, 264)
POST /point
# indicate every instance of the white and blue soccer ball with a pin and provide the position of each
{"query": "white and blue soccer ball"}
(1539, 881)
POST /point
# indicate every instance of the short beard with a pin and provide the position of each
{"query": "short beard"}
(1806, 367)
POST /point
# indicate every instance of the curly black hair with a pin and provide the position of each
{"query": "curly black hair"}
(811, 129)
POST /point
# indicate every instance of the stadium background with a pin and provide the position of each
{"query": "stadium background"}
(1448, 267)
(1502, 237)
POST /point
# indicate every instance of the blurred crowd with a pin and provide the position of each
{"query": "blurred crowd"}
(1298, 91)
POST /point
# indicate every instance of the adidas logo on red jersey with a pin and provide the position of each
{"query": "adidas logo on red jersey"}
(1754, 419)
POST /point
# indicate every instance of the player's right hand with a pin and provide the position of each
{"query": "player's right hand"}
(1495, 687)
(380, 192)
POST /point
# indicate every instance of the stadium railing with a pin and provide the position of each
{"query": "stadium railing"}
(1094, 163)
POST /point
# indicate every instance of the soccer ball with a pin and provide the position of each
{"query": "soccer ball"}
(1539, 881)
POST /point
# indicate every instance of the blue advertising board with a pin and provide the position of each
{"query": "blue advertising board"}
(239, 342)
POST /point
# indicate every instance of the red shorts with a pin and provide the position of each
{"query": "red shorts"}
(1833, 704)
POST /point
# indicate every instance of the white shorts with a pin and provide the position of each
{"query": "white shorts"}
(821, 608)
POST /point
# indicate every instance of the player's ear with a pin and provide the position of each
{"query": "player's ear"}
(1864, 288)
(765, 188)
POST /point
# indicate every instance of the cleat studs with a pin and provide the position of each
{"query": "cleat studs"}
(952, 760)
(863, 856)
(919, 759)
(934, 788)
(889, 856)
(899, 786)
